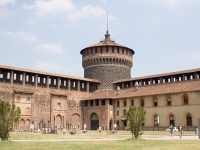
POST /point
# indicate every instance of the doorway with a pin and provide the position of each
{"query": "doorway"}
(94, 122)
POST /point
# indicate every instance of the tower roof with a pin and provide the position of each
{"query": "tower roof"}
(107, 42)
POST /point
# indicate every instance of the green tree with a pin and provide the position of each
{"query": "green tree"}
(135, 117)
(9, 115)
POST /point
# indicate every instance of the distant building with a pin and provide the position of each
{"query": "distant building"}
(104, 95)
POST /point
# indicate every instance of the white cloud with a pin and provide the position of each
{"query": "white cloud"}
(23, 36)
(4, 2)
(85, 12)
(44, 7)
(46, 66)
(50, 48)
(5, 13)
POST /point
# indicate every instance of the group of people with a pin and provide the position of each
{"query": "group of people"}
(180, 130)
(50, 130)
(73, 130)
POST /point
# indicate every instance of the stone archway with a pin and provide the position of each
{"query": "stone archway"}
(27, 125)
(21, 125)
(58, 121)
(94, 121)
(75, 120)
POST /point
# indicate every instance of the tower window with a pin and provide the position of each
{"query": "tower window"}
(112, 49)
(103, 102)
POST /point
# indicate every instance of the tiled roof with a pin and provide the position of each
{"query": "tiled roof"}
(47, 73)
(108, 93)
(107, 42)
(156, 89)
(160, 75)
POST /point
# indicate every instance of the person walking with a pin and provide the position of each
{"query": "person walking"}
(171, 128)
(180, 131)
(99, 130)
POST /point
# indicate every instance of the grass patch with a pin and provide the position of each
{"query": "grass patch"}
(124, 142)
(102, 145)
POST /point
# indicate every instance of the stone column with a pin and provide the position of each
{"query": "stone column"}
(68, 84)
(183, 77)
(195, 75)
(4, 76)
(141, 82)
(131, 84)
(58, 83)
(172, 79)
(24, 79)
(11, 77)
(87, 87)
(122, 85)
(94, 102)
(47, 81)
(36, 80)
(78, 86)
(151, 81)
(161, 80)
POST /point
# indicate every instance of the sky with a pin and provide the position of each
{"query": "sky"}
(48, 35)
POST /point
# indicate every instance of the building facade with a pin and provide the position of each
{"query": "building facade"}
(104, 95)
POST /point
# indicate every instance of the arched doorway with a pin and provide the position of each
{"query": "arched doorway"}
(58, 121)
(75, 120)
(27, 124)
(22, 124)
(189, 120)
(94, 122)
(171, 120)
(110, 125)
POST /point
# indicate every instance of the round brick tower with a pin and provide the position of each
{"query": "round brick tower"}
(107, 62)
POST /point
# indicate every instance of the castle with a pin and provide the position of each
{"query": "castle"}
(104, 95)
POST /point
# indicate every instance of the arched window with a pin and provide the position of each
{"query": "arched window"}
(169, 101)
(95, 117)
(28, 99)
(27, 111)
(156, 120)
(155, 102)
(171, 120)
(118, 104)
(18, 99)
(142, 103)
(132, 102)
(124, 102)
(185, 100)
(189, 120)
(124, 112)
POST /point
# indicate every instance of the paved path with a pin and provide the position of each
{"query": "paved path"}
(165, 137)
(146, 137)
